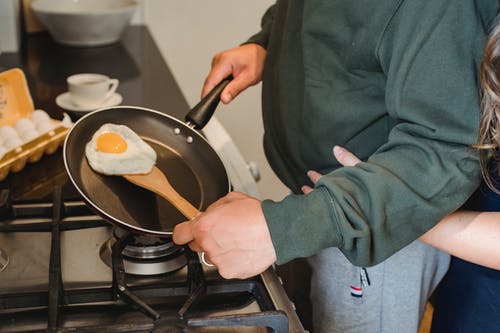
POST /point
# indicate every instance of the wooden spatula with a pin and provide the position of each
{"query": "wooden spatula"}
(157, 182)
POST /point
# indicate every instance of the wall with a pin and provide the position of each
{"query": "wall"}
(9, 25)
(189, 33)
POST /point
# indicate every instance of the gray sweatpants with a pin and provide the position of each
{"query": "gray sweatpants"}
(393, 302)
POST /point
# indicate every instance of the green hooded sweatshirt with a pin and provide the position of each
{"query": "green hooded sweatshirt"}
(395, 82)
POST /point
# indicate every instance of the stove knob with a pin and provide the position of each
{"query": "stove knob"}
(4, 260)
(5, 204)
(254, 170)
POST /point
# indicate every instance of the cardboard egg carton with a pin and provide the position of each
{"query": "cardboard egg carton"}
(15, 104)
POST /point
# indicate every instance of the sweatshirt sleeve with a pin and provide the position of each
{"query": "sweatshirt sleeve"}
(262, 37)
(424, 171)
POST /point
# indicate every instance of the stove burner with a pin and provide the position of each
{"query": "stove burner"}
(4, 259)
(146, 255)
(154, 250)
(191, 299)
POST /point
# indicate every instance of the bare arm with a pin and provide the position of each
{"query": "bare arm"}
(471, 236)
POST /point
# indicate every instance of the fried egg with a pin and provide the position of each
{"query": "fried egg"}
(118, 150)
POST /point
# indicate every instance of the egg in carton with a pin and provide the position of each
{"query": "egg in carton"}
(26, 134)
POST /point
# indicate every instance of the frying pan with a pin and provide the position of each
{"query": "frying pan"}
(191, 165)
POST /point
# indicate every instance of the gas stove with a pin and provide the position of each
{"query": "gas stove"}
(63, 268)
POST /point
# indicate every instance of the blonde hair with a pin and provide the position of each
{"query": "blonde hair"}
(489, 128)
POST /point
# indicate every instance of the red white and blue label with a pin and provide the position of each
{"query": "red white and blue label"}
(356, 292)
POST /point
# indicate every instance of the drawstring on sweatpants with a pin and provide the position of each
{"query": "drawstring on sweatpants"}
(364, 281)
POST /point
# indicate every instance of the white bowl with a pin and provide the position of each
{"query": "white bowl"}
(85, 22)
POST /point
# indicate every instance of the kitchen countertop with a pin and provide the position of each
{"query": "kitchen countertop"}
(145, 80)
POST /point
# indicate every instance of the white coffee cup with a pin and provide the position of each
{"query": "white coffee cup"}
(89, 89)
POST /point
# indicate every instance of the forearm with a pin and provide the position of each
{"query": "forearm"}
(472, 236)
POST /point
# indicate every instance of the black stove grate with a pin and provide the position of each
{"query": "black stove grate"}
(165, 306)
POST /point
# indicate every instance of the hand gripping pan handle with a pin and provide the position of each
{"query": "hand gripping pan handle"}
(201, 113)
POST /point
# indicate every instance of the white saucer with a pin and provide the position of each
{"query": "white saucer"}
(65, 102)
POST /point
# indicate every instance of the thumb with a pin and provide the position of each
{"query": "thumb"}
(345, 157)
(216, 75)
(183, 233)
(235, 87)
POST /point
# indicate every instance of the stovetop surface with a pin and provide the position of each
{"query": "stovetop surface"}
(55, 280)
(81, 292)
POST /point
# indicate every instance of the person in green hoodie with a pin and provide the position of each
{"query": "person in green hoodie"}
(394, 82)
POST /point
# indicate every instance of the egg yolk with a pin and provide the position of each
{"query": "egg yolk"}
(110, 142)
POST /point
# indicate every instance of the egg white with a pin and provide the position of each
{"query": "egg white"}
(138, 158)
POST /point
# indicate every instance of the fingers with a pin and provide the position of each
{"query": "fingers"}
(240, 82)
(183, 233)
(234, 88)
(245, 63)
(306, 189)
(195, 246)
(345, 157)
(314, 176)
(233, 235)
(216, 75)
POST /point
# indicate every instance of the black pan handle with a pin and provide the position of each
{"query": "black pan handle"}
(203, 111)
